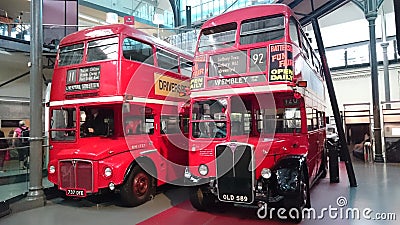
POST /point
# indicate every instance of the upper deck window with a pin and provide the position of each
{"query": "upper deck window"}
(167, 60)
(262, 29)
(137, 51)
(105, 49)
(186, 67)
(293, 31)
(222, 36)
(71, 54)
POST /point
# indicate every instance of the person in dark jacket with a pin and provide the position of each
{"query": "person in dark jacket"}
(94, 124)
(22, 144)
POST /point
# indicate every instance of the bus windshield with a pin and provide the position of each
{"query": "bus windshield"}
(96, 121)
(209, 118)
(262, 29)
(104, 49)
(71, 54)
(63, 124)
(217, 37)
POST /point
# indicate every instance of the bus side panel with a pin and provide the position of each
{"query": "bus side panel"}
(312, 156)
(134, 71)
(119, 164)
(173, 149)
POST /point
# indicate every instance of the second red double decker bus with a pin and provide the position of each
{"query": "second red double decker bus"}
(117, 116)
(257, 129)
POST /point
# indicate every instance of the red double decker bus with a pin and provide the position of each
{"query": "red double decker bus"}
(257, 128)
(118, 120)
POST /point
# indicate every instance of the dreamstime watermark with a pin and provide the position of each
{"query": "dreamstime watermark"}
(340, 211)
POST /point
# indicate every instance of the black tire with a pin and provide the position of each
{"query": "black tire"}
(298, 202)
(138, 188)
(323, 170)
(202, 199)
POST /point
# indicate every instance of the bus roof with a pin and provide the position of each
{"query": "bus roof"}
(239, 15)
(114, 29)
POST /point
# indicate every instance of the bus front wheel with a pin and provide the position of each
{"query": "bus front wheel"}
(324, 164)
(138, 188)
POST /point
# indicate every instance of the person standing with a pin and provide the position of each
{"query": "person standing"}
(21, 141)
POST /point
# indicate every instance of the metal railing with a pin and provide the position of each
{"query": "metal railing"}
(14, 150)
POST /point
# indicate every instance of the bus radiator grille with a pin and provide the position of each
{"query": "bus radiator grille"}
(76, 174)
(235, 176)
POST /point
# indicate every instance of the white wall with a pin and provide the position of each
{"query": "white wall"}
(13, 65)
(354, 86)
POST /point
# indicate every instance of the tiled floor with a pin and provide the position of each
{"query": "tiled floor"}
(377, 192)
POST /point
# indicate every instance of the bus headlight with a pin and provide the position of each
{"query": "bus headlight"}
(203, 169)
(52, 169)
(107, 172)
(266, 173)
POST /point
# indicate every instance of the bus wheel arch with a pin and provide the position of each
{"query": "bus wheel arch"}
(296, 196)
(139, 183)
(300, 200)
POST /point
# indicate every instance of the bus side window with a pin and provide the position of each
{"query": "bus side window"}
(149, 124)
(266, 121)
(137, 51)
(315, 119)
(293, 30)
(309, 118)
(132, 126)
(169, 125)
(185, 67)
(279, 127)
(184, 124)
(236, 128)
(292, 120)
(167, 60)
